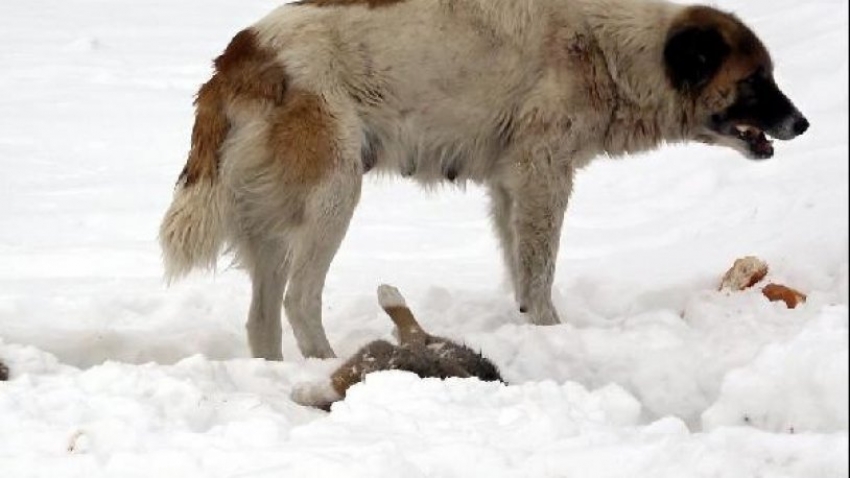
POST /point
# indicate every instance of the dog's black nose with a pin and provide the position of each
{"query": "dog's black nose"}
(801, 126)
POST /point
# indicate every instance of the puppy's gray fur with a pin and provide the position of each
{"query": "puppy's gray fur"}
(417, 352)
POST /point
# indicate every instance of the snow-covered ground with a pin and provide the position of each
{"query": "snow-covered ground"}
(654, 373)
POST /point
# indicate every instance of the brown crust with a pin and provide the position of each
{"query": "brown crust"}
(778, 292)
(245, 71)
(301, 135)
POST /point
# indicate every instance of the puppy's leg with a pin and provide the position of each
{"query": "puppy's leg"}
(540, 201)
(393, 303)
(501, 211)
(327, 216)
(378, 355)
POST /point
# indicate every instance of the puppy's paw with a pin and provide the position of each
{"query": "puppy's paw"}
(315, 394)
(389, 296)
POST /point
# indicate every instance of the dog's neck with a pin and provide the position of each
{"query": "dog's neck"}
(631, 35)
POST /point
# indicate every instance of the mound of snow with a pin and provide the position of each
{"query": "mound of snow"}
(797, 386)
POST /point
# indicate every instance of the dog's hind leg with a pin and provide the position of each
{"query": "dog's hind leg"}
(268, 268)
(295, 171)
(327, 216)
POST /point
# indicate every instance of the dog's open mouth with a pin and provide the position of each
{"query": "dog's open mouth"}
(756, 140)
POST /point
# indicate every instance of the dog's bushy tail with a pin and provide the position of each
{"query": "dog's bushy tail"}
(193, 230)
(393, 303)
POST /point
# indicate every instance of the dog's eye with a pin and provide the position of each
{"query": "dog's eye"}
(750, 80)
(748, 86)
(754, 78)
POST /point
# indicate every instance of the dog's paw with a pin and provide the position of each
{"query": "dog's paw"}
(389, 296)
(315, 394)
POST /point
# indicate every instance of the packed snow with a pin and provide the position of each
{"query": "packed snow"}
(655, 373)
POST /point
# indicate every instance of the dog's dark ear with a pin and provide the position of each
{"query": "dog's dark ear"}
(693, 55)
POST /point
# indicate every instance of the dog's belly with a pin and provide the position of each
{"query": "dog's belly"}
(430, 162)
(428, 154)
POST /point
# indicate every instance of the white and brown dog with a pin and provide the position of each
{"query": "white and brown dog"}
(511, 94)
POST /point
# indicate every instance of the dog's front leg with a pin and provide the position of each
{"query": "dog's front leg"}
(540, 201)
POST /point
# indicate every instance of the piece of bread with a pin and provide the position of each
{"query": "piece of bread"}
(779, 292)
(745, 273)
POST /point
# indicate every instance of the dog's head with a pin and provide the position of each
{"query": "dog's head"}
(720, 65)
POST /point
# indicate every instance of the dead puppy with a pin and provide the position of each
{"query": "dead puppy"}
(417, 352)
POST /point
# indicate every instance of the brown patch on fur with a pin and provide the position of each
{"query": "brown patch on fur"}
(747, 55)
(245, 71)
(249, 71)
(778, 292)
(346, 3)
(208, 134)
(301, 134)
(4, 372)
